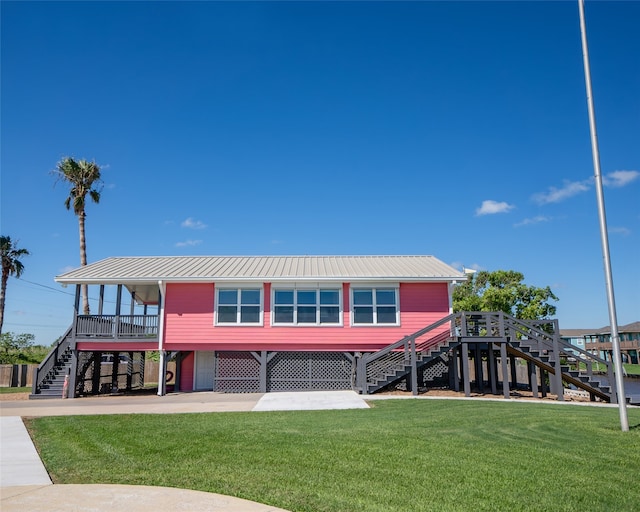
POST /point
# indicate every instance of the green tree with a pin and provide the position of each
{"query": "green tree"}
(11, 266)
(84, 179)
(13, 345)
(504, 290)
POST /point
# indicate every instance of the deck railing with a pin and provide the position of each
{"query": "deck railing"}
(117, 327)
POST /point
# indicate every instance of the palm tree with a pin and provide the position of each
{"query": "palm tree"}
(11, 265)
(84, 179)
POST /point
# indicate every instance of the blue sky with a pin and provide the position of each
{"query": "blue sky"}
(458, 129)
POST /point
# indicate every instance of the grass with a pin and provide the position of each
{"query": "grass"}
(400, 455)
(7, 391)
(632, 369)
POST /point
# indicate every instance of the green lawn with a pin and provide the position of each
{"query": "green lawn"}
(6, 391)
(400, 455)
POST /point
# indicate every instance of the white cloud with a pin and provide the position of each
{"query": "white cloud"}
(489, 207)
(569, 189)
(189, 243)
(620, 231)
(619, 178)
(533, 220)
(191, 223)
(572, 188)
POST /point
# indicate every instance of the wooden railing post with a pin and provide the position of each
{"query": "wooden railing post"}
(557, 365)
(414, 367)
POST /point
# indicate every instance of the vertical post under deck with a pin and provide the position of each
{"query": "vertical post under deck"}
(491, 359)
(465, 369)
(454, 361)
(533, 378)
(505, 370)
(479, 369)
(263, 371)
(414, 368)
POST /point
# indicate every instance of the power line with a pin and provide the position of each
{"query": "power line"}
(43, 286)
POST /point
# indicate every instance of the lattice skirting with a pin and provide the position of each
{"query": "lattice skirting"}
(240, 372)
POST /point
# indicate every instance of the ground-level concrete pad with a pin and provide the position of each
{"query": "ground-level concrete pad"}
(310, 401)
(132, 498)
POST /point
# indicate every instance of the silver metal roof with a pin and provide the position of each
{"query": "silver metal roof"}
(145, 269)
(140, 274)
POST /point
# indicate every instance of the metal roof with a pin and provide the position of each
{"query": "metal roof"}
(146, 269)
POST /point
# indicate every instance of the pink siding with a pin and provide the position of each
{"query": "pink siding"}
(186, 373)
(189, 323)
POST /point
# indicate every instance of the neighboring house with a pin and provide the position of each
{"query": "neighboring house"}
(598, 342)
(253, 323)
(577, 337)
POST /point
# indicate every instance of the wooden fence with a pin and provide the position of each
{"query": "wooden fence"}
(21, 375)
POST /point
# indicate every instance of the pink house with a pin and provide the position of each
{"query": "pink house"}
(245, 324)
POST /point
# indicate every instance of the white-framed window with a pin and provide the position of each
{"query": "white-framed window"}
(239, 306)
(307, 306)
(375, 306)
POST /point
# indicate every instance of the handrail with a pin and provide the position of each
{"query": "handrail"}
(116, 326)
(543, 335)
(48, 364)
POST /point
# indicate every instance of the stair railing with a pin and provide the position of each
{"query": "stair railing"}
(46, 367)
(544, 336)
(400, 354)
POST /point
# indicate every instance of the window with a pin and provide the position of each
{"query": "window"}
(306, 306)
(239, 306)
(377, 306)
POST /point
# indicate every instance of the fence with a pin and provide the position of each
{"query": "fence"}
(21, 375)
(16, 375)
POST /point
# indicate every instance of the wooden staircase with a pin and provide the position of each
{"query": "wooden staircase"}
(537, 342)
(48, 379)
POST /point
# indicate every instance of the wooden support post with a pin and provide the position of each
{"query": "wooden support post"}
(465, 369)
(453, 370)
(557, 366)
(73, 372)
(176, 386)
(114, 372)
(493, 374)
(414, 368)
(514, 372)
(263, 372)
(543, 382)
(505, 370)
(479, 369)
(95, 377)
(129, 371)
(533, 378)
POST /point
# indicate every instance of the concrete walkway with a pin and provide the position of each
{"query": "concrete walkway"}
(25, 484)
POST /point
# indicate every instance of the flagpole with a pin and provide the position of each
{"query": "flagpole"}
(615, 338)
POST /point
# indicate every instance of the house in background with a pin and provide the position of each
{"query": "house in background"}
(247, 324)
(599, 342)
(577, 337)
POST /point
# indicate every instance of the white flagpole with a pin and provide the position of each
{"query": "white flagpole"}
(615, 338)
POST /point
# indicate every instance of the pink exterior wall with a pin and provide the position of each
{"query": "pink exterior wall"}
(189, 323)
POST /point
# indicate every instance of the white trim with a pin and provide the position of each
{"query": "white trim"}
(374, 287)
(162, 381)
(238, 323)
(295, 287)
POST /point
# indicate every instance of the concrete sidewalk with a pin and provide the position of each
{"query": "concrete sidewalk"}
(26, 486)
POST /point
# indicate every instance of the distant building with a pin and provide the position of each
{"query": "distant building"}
(598, 341)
